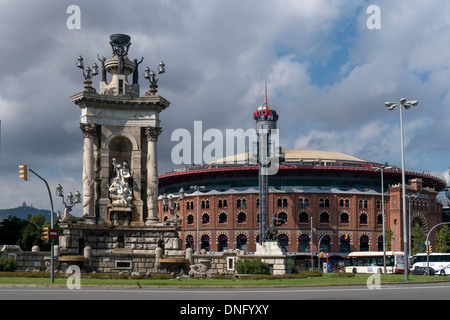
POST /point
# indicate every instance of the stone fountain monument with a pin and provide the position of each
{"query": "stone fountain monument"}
(120, 229)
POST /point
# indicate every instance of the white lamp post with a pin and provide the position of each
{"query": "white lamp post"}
(391, 106)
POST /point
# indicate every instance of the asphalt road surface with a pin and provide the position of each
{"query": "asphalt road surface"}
(426, 291)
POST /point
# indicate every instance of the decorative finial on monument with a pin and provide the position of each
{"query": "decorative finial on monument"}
(153, 78)
(120, 43)
(88, 73)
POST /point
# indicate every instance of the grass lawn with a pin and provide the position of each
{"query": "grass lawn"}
(326, 279)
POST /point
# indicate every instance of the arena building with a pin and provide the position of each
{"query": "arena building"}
(324, 196)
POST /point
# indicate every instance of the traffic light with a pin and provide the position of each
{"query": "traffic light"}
(321, 255)
(45, 235)
(23, 172)
(430, 249)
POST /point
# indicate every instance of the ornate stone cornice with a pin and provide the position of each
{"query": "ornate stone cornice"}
(89, 129)
(95, 100)
(152, 133)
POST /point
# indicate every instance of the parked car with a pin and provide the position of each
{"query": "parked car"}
(423, 271)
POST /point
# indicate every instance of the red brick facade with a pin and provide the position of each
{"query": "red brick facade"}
(345, 221)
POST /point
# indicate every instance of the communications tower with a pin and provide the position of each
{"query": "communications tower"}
(268, 155)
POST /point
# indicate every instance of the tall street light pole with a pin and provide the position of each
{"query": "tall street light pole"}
(391, 106)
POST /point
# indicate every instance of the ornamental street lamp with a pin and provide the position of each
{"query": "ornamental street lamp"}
(88, 73)
(391, 106)
(153, 78)
(71, 199)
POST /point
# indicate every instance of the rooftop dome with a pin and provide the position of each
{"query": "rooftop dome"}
(296, 155)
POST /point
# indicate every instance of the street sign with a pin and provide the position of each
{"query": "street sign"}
(53, 233)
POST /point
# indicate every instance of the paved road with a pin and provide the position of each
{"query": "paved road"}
(428, 291)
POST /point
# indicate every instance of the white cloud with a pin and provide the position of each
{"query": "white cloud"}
(217, 54)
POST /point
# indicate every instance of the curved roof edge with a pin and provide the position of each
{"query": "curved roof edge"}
(296, 155)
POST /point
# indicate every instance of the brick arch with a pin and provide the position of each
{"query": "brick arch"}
(422, 218)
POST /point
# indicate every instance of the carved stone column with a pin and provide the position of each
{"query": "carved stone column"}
(151, 134)
(89, 131)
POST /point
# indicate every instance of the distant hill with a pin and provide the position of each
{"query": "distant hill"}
(23, 211)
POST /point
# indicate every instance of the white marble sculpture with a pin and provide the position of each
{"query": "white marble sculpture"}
(120, 191)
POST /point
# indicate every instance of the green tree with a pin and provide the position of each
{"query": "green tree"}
(418, 237)
(11, 229)
(443, 239)
(26, 233)
(38, 220)
(388, 233)
(29, 237)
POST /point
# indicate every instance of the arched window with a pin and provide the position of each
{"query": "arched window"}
(363, 218)
(380, 243)
(222, 243)
(283, 240)
(242, 217)
(324, 217)
(344, 217)
(325, 244)
(344, 244)
(190, 241)
(223, 218)
(241, 242)
(205, 218)
(303, 243)
(190, 219)
(303, 217)
(364, 243)
(380, 219)
(303, 202)
(283, 215)
(205, 242)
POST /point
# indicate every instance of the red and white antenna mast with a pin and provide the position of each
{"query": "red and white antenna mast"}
(265, 93)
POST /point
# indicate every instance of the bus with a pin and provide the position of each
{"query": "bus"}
(372, 262)
(440, 262)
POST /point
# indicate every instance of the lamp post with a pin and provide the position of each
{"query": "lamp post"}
(88, 73)
(382, 168)
(391, 106)
(71, 199)
(168, 201)
(153, 78)
(198, 208)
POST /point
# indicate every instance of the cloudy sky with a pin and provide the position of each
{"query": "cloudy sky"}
(328, 76)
